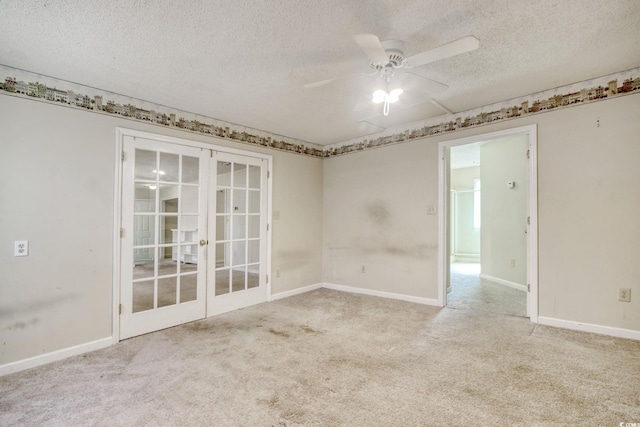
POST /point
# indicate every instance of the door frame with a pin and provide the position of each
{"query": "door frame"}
(532, 211)
(121, 132)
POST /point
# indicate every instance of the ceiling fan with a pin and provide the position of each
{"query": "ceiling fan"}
(388, 55)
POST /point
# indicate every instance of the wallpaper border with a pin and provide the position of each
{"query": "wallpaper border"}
(42, 88)
(22, 83)
(588, 91)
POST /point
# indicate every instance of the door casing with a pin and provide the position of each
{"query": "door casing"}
(532, 211)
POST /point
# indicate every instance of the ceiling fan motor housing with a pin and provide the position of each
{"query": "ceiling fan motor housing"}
(395, 52)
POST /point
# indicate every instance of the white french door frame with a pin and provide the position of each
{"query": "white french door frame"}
(117, 208)
(444, 197)
(233, 300)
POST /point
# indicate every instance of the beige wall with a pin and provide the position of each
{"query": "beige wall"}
(504, 210)
(588, 194)
(375, 214)
(57, 191)
(368, 208)
(297, 233)
(462, 179)
(588, 181)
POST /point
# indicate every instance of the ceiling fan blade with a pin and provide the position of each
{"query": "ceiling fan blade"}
(410, 81)
(335, 79)
(365, 103)
(463, 45)
(371, 46)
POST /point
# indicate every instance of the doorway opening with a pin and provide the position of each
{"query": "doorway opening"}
(488, 226)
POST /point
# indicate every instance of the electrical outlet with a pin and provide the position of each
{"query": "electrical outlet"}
(513, 263)
(364, 268)
(624, 294)
(21, 248)
(277, 272)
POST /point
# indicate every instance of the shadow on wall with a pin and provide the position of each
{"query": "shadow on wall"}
(386, 236)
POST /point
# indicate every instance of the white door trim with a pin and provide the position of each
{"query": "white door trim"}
(117, 226)
(532, 207)
(117, 208)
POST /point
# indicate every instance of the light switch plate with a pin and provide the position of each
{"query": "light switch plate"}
(21, 248)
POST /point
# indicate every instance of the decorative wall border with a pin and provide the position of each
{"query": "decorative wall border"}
(598, 89)
(22, 83)
(43, 88)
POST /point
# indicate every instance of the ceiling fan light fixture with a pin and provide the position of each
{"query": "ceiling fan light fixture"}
(395, 95)
(386, 56)
(379, 96)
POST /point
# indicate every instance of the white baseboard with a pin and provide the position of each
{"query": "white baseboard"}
(589, 327)
(296, 291)
(354, 290)
(472, 258)
(513, 285)
(54, 356)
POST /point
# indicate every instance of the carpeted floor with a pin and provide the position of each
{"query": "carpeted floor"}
(470, 293)
(329, 358)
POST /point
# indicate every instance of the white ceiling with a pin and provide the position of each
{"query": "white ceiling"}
(465, 156)
(246, 61)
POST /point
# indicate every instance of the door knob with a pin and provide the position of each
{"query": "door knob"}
(203, 242)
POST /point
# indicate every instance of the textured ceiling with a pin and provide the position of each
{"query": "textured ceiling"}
(246, 62)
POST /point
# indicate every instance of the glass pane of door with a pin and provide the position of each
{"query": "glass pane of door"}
(165, 228)
(164, 209)
(231, 230)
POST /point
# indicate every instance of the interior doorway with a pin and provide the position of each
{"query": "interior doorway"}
(488, 226)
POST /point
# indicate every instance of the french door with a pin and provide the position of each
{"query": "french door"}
(164, 222)
(194, 234)
(238, 267)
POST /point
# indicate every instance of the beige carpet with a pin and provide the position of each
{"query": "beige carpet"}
(470, 293)
(329, 358)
